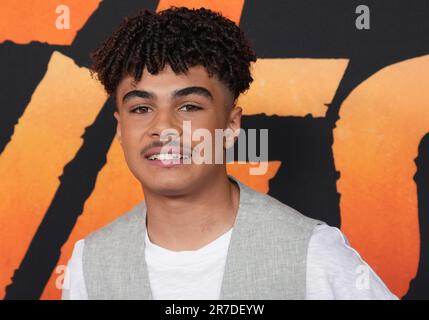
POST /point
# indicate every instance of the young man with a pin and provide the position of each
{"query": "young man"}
(200, 233)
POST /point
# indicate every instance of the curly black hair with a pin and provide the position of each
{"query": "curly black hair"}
(179, 37)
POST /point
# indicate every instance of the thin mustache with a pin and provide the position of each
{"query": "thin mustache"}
(162, 144)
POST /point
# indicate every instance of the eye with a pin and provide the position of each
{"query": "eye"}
(141, 109)
(190, 107)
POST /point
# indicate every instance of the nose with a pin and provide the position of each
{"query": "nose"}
(165, 126)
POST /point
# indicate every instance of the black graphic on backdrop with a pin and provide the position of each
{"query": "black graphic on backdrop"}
(420, 284)
(312, 29)
(80, 174)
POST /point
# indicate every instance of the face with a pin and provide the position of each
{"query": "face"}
(163, 102)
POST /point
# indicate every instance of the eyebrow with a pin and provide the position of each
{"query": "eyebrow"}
(193, 90)
(138, 93)
(178, 93)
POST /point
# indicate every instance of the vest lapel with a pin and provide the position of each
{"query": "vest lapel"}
(136, 276)
(241, 262)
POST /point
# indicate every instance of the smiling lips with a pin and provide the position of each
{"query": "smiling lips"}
(166, 156)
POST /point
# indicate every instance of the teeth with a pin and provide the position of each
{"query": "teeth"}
(168, 156)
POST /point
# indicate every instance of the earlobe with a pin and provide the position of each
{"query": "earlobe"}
(234, 126)
(235, 121)
(229, 139)
(118, 127)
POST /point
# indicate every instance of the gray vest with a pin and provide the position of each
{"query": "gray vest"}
(266, 256)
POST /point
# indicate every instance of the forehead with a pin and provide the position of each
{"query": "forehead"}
(166, 81)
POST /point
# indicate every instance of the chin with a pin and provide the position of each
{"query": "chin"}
(167, 182)
(168, 188)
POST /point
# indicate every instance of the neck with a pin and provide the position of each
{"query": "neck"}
(191, 221)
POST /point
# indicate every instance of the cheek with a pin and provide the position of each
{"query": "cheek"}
(132, 139)
(208, 124)
(210, 121)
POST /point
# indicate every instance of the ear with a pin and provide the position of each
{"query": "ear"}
(118, 126)
(234, 123)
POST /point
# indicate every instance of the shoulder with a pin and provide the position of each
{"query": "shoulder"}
(107, 248)
(328, 246)
(118, 227)
(335, 270)
(272, 211)
(74, 284)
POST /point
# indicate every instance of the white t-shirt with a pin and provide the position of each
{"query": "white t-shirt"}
(334, 270)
